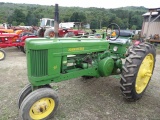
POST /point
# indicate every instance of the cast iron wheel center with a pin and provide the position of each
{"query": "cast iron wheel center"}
(144, 73)
(42, 108)
(51, 34)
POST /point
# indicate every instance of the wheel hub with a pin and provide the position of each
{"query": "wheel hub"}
(144, 73)
(51, 34)
(42, 108)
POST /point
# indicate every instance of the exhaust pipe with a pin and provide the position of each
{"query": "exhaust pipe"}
(56, 20)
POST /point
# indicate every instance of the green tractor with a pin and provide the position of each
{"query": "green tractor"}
(58, 59)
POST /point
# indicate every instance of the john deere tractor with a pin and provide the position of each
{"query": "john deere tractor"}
(58, 59)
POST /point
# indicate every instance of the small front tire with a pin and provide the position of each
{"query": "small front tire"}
(2, 54)
(40, 104)
(23, 93)
(26, 91)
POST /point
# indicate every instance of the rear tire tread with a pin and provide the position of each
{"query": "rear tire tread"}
(132, 63)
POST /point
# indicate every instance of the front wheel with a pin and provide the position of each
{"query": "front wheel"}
(40, 104)
(2, 54)
(26, 91)
(137, 71)
(23, 93)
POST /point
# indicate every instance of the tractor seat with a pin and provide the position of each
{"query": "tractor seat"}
(125, 37)
(120, 40)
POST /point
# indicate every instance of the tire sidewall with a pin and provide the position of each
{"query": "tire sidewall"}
(23, 93)
(151, 51)
(30, 100)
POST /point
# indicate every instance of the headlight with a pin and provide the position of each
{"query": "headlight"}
(115, 48)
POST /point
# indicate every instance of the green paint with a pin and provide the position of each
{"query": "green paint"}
(58, 59)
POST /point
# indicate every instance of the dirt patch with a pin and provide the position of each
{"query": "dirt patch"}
(93, 99)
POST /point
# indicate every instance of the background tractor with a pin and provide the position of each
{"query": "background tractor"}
(47, 29)
(14, 40)
(60, 59)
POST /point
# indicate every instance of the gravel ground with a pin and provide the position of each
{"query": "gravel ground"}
(93, 99)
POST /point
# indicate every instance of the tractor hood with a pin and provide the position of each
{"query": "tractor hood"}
(67, 45)
(8, 35)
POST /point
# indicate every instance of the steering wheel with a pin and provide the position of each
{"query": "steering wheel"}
(113, 31)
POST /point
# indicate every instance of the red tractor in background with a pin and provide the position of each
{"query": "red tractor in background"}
(7, 40)
(47, 29)
(7, 28)
(13, 40)
(10, 36)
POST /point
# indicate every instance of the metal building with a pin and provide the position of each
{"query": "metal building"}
(151, 23)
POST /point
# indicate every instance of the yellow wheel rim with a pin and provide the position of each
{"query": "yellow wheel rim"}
(144, 73)
(42, 108)
(1, 55)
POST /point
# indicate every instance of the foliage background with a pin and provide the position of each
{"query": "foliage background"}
(29, 14)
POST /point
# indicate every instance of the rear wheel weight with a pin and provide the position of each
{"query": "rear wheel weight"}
(139, 71)
(40, 104)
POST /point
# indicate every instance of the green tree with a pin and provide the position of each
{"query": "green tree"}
(94, 24)
(134, 27)
(17, 16)
(22, 24)
(136, 20)
(14, 23)
(125, 17)
(31, 19)
(78, 17)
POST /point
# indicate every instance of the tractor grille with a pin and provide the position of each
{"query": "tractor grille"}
(39, 63)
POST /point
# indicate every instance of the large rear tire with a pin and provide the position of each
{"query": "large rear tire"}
(137, 71)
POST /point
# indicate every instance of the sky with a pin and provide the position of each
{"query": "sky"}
(91, 3)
